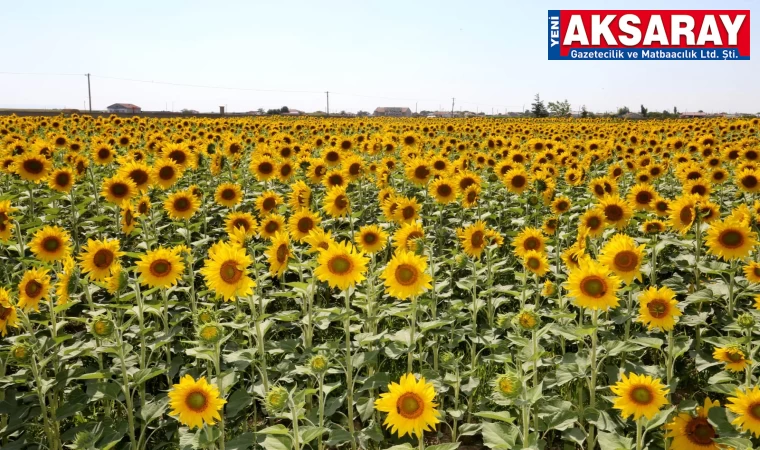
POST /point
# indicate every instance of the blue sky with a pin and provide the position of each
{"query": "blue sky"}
(486, 54)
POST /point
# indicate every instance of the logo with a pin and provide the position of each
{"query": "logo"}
(649, 35)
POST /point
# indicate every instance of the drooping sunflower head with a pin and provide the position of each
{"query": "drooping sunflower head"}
(733, 356)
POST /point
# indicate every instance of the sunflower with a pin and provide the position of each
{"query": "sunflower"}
(98, 258)
(301, 223)
(268, 202)
(336, 202)
(561, 204)
(536, 262)
(278, 254)
(443, 190)
(242, 220)
(160, 268)
(592, 222)
(623, 257)
(474, 239)
(708, 211)
(408, 210)
(407, 235)
(752, 272)
(658, 308)
(691, 432)
(33, 288)
(748, 180)
(128, 217)
(639, 395)
(371, 239)
(730, 239)
(8, 313)
(733, 356)
(661, 206)
(410, 406)
(228, 194)
(62, 180)
(316, 171)
(470, 196)
(616, 211)
(300, 195)
(138, 172)
(118, 189)
(682, 213)
(195, 402)
(529, 239)
(516, 180)
(592, 285)
(319, 240)
(66, 283)
(642, 197)
(50, 243)
(226, 271)
(418, 171)
(271, 225)
(405, 275)
(335, 178)
(550, 225)
(341, 266)
(181, 205)
(32, 167)
(166, 172)
(143, 205)
(746, 405)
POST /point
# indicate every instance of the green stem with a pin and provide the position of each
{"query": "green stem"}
(260, 343)
(349, 371)
(220, 386)
(639, 435)
(592, 383)
(410, 355)
(127, 392)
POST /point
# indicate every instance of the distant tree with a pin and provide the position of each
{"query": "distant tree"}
(700, 111)
(537, 107)
(584, 111)
(273, 112)
(260, 110)
(284, 110)
(644, 111)
(361, 113)
(675, 110)
(342, 112)
(623, 111)
(558, 108)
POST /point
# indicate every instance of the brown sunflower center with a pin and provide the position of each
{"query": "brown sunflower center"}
(182, 204)
(104, 153)
(266, 168)
(305, 224)
(477, 240)
(754, 410)
(228, 194)
(735, 355)
(518, 181)
(472, 196)
(340, 264)
(196, 401)
(749, 181)
(33, 289)
(160, 268)
(756, 271)
(409, 405)
(444, 190)
(241, 223)
(34, 166)
(271, 226)
(139, 176)
(626, 261)
(439, 165)
(593, 223)
(643, 198)
(534, 263)
(62, 179)
(613, 213)
(594, 286)
(421, 172)
(103, 258)
(341, 202)
(166, 173)
(371, 238)
(408, 212)
(178, 156)
(532, 243)
(599, 190)
(51, 243)
(285, 170)
(731, 238)
(641, 395)
(5, 312)
(229, 272)
(658, 308)
(119, 190)
(406, 275)
(282, 253)
(699, 431)
(686, 215)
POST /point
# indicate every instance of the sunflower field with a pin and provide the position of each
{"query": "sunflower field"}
(379, 283)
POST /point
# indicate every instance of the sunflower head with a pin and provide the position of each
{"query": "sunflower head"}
(102, 327)
(507, 385)
(409, 405)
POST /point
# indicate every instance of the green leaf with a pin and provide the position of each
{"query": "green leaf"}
(241, 442)
(376, 381)
(143, 375)
(76, 402)
(272, 442)
(562, 420)
(308, 434)
(278, 429)
(575, 435)
(613, 441)
(499, 436)
(449, 446)
(153, 409)
(237, 401)
(659, 418)
(496, 415)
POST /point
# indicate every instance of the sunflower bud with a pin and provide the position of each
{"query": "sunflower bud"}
(85, 440)
(507, 385)
(527, 319)
(101, 327)
(205, 316)
(746, 321)
(504, 320)
(210, 333)
(21, 352)
(549, 289)
(276, 398)
(240, 317)
(460, 260)
(447, 358)
(319, 364)
(533, 200)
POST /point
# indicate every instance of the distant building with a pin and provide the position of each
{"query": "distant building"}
(691, 115)
(293, 112)
(124, 108)
(393, 111)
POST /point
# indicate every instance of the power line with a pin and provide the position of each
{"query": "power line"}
(42, 73)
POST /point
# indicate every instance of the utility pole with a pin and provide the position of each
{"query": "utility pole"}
(328, 102)
(415, 107)
(452, 107)
(89, 93)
